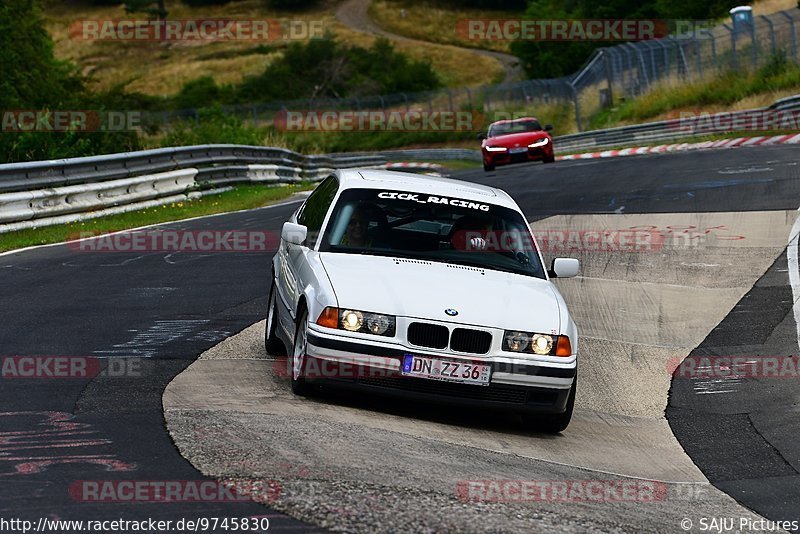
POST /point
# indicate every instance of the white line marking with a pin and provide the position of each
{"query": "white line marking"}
(794, 274)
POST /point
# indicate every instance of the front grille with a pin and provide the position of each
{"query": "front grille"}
(428, 335)
(471, 341)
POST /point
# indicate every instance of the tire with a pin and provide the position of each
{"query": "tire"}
(552, 423)
(488, 168)
(550, 159)
(299, 385)
(272, 342)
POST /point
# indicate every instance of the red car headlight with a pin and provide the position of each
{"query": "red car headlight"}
(540, 143)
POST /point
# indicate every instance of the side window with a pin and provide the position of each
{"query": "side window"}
(313, 212)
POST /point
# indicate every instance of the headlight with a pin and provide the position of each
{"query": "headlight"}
(540, 344)
(352, 320)
(540, 142)
(358, 321)
(496, 149)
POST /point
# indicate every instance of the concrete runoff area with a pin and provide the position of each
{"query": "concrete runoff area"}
(233, 416)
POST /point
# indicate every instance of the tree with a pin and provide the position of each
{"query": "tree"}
(32, 76)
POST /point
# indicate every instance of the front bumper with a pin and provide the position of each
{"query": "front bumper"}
(505, 158)
(516, 384)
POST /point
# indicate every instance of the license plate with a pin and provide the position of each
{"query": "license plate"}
(517, 150)
(445, 370)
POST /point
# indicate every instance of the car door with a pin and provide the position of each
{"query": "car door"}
(294, 258)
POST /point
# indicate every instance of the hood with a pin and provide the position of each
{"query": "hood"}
(422, 289)
(522, 138)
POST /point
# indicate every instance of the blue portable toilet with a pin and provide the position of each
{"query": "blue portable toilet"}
(742, 17)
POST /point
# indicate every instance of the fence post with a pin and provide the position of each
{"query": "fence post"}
(683, 64)
(653, 74)
(577, 107)
(773, 46)
(697, 53)
(734, 60)
(794, 35)
(753, 44)
(469, 97)
(609, 76)
(642, 67)
(713, 47)
(666, 55)
(450, 98)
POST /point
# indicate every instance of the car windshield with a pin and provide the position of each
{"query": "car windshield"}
(435, 228)
(512, 127)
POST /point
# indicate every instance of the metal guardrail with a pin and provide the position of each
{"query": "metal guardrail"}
(208, 159)
(52, 192)
(41, 193)
(670, 130)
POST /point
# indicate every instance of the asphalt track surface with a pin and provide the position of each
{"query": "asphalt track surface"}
(169, 308)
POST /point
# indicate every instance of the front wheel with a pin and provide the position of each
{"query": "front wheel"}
(487, 167)
(549, 159)
(553, 423)
(298, 356)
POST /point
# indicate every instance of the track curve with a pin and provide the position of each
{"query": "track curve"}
(231, 416)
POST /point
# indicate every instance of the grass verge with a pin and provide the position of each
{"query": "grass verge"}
(727, 91)
(429, 21)
(240, 198)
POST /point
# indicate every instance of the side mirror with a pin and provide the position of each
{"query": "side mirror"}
(564, 268)
(294, 233)
(548, 127)
(481, 136)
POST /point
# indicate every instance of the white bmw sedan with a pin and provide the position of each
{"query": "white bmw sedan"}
(424, 287)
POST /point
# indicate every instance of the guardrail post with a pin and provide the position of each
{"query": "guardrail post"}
(793, 34)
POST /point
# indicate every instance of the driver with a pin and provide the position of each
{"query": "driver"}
(356, 233)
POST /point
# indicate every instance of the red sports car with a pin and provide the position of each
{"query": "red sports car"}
(515, 141)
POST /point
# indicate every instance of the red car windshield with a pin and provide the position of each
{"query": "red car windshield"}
(512, 127)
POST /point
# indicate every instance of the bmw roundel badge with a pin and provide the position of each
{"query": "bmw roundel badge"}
(451, 312)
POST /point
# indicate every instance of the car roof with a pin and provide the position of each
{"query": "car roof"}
(419, 183)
